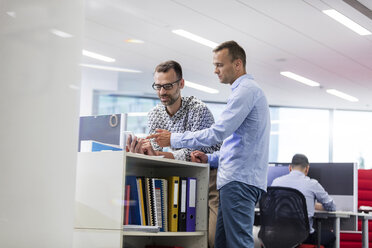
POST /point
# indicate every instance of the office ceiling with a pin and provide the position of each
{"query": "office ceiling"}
(285, 35)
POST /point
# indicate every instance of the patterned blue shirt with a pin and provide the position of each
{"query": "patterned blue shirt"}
(244, 128)
(310, 188)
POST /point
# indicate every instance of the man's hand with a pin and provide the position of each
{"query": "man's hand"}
(147, 149)
(318, 206)
(138, 145)
(199, 157)
(135, 145)
(162, 137)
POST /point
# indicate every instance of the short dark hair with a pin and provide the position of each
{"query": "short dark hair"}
(300, 160)
(235, 51)
(170, 64)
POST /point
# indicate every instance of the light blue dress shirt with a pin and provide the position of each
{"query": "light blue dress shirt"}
(244, 128)
(310, 188)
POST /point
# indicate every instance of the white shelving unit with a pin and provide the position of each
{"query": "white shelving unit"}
(99, 211)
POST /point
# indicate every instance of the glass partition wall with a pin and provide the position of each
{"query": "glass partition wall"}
(324, 135)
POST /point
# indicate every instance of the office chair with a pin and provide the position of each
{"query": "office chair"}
(284, 220)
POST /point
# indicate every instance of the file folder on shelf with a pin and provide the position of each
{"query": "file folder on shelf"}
(134, 207)
(173, 203)
(190, 204)
(151, 202)
(141, 200)
(182, 205)
(161, 203)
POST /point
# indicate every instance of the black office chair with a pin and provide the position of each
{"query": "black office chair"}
(284, 220)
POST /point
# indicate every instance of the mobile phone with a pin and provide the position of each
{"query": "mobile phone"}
(127, 137)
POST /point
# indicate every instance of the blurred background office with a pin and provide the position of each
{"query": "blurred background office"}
(65, 59)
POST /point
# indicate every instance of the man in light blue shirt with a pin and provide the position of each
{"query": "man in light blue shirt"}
(312, 190)
(244, 128)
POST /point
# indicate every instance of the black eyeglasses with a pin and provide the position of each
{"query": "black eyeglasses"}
(168, 86)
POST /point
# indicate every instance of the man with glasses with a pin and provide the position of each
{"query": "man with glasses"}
(179, 114)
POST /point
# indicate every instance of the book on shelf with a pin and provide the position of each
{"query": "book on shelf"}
(141, 199)
(161, 210)
(134, 206)
(126, 204)
(169, 204)
(150, 200)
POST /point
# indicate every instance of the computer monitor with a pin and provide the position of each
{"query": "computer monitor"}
(276, 170)
(340, 180)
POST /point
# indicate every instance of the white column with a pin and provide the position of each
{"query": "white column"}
(39, 103)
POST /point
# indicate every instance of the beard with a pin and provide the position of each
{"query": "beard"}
(169, 99)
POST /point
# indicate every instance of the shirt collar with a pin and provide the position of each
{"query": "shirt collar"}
(298, 173)
(184, 103)
(239, 79)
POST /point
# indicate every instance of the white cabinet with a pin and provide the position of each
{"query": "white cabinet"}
(99, 209)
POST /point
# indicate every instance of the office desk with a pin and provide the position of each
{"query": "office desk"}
(336, 216)
(364, 217)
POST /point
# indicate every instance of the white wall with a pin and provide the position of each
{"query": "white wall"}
(93, 79)
(39, 103)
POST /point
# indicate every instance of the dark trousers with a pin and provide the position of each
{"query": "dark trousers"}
(327, 238)
(236, 215)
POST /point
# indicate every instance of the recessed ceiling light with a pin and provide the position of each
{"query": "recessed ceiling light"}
(97, 56)
(110, 68)
(299, 78)
(346, 21)
(342, 95)
(60, 33)
(201, 87)
(134, 41)
(195, 38)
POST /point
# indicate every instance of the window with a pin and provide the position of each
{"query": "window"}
(352, 133)
(295, 130)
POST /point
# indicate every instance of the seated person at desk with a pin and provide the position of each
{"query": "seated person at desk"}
(312, 190)
(179, 114)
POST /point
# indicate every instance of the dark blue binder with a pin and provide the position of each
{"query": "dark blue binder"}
(134, 207)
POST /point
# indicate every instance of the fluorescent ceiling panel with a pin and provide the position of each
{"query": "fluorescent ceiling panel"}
(201, 87)
(195, 38)
(110, 68)
(97, 56)
(61, 33)
(299, 78)
(342, 95)
(346, 21)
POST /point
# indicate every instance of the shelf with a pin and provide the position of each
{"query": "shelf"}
(149, 161)
(100, 195)
(163, 234)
